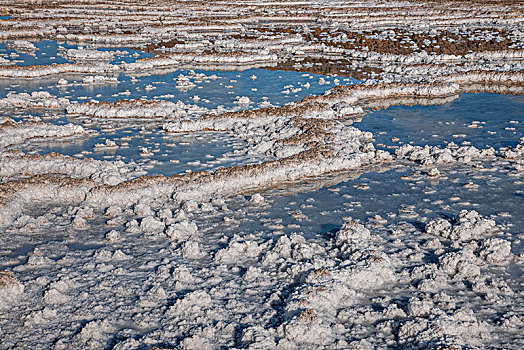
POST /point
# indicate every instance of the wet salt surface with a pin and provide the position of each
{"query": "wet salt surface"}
(44, 53)
(164, 154)
(481, 120)
(403, 194)
(208, 89)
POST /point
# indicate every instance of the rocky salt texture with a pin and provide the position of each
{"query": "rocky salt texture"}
(13, 133)
(95, 255)
(336, 36)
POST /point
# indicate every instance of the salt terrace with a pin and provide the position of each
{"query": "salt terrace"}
(261, 174)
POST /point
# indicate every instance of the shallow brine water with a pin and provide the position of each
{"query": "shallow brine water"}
(481, 120)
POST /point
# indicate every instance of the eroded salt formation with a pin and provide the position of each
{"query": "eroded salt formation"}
(135, 109)
(13, 133)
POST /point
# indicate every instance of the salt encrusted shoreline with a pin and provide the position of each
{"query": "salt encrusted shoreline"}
(12, 133)
(111, 173)
(304, 146)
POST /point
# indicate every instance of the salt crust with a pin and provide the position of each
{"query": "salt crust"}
(330, 285)
(12, 133)
(325, 285)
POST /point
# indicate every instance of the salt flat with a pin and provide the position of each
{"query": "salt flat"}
(261, 174)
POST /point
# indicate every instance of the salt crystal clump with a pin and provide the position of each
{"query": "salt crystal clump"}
(105, 254)
(514, 152)
(429, 155)
(142, 209)
(149, 224)
(491, 287)
(108, 145)
(113, 211)
(352, 231)
(10, 289)
(466, 226)
(132, 227)
(112, 236)
(189, 206)
(38, 260)
(40, 317)
(495, 250)
(306, 331)
(153, 297)
(181, 230)
(244, 100)
(164, 213)
(23, 45)
(458, 329)
(438, 227)
(460, 265)
(94, 333)
(99, 79)
(434, 172)
(53, 296)
(192, 250)
(191, 305)
(79, 223)
(257, 198)
(85, 212)
(236, 251)
(87, 54)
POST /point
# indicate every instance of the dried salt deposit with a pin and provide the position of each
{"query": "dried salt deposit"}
(197, 175)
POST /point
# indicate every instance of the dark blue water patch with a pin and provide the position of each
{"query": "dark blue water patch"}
(259, 85)
(395, 196)
(46, 53)
(482, 119)
(219, 88)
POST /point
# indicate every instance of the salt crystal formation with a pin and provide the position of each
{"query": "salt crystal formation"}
(277, 234)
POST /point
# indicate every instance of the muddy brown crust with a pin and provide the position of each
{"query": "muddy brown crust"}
(443, 42)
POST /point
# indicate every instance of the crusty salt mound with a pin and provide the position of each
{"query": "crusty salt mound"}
(10, 289)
